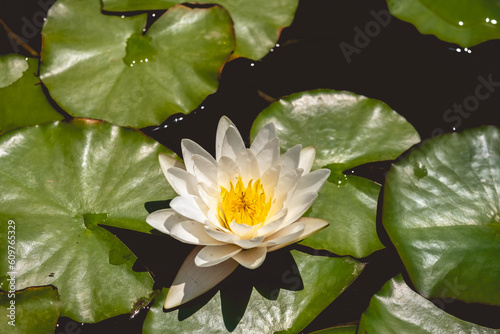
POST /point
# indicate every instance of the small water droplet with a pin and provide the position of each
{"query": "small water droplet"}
(26, 58)
(153, 15)
(123, 16)
(454, 128)
(494, 21)
(341, 180)
(133, 61)
(487, 19)
(459, 50)
(460, 23)
(165, 126)
(272, 50)
(44, 19)
(202, 107)
(419, 170)
(252, 64)
(469, 51)
(277, 45)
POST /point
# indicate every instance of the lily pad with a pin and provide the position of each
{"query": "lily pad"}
(338, 330)
(442, 212)
(105, 67)
(464, 22)
(33, 310)
(351, 207)
(347, 130)
(398, 309)
(257, 23)
(59, 182)
(261, 311)
(22, 101)
(12, 67)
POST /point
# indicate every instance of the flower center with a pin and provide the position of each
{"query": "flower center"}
(243, 205)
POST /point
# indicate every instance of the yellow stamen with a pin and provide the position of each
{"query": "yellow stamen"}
(243, 205)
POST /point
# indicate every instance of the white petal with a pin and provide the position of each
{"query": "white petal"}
(312, 182)
(269, 155)
(190, 148)
(274, 223)
(163, 220)
(183, 182)
(188, 207)
(291, 158)
(248, 165)
(192, 281)
(232, 144)
(204, 170)
(207, 195)
(269, 180)
(212, 255)
(267, 133)
(307, 158)
(251, 258)
(241, 230)
(223, 236)
(285, 189)
(285, 235)
(249, 243)
(228, 171)
(297, 206)
(224, 124)
(312, 225)
(192, 232)
(166, 162)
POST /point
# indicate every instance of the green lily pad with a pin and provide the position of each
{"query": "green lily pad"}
(257, 23)
(288, 311)
(12, 67)
(398, 309)
(464, 22)
(351, 209)
(103, 66)
(347, 130)
(442, 212)
(338, 330)
(59, 182)
(34, 310)
(22, 101)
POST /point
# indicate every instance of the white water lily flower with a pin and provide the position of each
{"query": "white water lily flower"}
(237, 207)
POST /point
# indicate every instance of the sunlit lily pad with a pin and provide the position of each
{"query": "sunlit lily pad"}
(102, 66)
(338, 330)
(34, 310)
(464, 22)
(257, 23)
(442, 212)
(347, 130)
(261, 310)
(22, 101)
(12, 67)
(351, 207)
(398, 309)
(59, 181)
